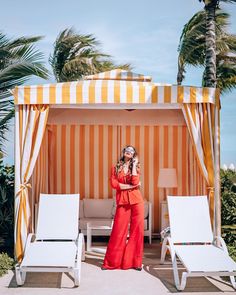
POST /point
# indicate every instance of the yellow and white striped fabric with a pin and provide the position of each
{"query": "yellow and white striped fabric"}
(202, 120)
(78, 158)
(119, 74)
(108, 88)
(29, 130)
(65, 152)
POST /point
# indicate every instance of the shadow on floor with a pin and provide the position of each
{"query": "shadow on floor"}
(151, 265)
(165, 274)
(43, 280)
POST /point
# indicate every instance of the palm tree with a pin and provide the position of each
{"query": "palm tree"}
(192, 49)
(19, 60)
(76, 55)
(210, 66)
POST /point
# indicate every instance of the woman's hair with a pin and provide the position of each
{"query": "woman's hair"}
(121, 160)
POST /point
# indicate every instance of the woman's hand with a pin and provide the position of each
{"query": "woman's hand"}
(124, 186)
(135, 160)
(134, 169)
(139, 184)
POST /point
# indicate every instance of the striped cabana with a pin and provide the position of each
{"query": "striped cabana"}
(117, 89)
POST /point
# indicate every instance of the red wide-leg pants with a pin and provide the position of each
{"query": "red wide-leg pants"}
(123, 254)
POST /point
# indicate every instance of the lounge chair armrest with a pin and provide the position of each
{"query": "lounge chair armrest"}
(167, 242)
(80, 237)
(80, 248)
(165, 233)
(220, 240)
(80, 242)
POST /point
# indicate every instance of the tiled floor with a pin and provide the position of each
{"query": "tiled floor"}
(153, 279)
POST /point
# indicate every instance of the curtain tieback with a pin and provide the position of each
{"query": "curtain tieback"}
(24, 186)
(211, 189)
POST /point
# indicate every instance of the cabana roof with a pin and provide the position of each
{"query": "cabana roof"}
(114, 87)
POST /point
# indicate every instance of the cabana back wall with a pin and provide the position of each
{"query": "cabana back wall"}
(78, 158)
(74, 157)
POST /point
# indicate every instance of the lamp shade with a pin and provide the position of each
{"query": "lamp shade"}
(167, 177)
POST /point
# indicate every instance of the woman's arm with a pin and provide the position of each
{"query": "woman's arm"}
(121, 186)
(113, 180)
(124, 186)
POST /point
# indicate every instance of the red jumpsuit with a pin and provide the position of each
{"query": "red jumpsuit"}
(123, 254)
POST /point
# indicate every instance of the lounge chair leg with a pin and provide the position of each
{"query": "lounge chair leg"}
(20, 276)
(89, 238)
(176, 274)
(80, 253)
(179, 286)
(83, 248)
(232, 279)
(23, 275)
(183, 281)
(77, 277)
(150, 239)
(163, 251)
(163, 254)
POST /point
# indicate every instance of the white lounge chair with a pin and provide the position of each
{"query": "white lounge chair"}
(57, 245)
(191, 240)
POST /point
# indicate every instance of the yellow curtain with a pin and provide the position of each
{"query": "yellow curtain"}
(30, 124)
(200, 119)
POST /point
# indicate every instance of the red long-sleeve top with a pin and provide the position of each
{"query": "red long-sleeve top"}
(128, 196)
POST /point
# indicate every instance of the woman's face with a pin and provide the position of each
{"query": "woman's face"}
(129, 153)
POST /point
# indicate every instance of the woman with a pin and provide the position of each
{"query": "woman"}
(125, 178)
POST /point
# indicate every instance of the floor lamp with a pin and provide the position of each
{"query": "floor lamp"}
(167, 179)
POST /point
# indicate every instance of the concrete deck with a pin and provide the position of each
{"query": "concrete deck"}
(153, 279)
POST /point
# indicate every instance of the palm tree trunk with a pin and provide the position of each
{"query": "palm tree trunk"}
(209, 79)
(180, 75)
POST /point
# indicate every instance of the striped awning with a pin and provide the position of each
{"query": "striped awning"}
(114, 87)
(119, 74)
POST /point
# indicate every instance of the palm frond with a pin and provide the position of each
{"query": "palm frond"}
(19, 60)
(76, 55)
(226, 76)
(4, 126)
(192, 48)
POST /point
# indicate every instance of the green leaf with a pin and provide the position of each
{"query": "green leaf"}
(76, 55)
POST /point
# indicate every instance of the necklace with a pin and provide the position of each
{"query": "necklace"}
(126, 168)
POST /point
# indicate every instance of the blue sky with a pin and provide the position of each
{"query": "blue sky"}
(143, 33)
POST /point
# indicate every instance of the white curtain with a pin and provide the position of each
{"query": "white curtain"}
(30, 124)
